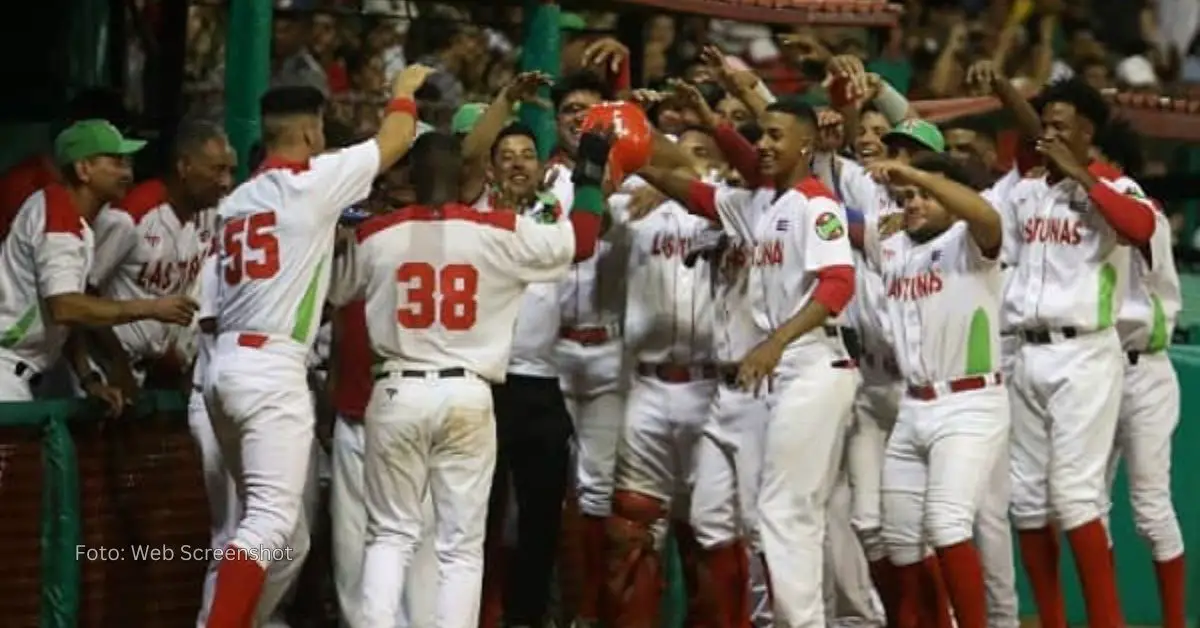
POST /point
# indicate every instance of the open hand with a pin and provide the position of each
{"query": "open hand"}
(982, 75)
(644, 200)
(112, 397)
(606, 52)
(410, 79)
(1059, 154)
(890, 225)
(689, 96)
(525, 86)
(759, 366)
(174, 310)
(888, 171)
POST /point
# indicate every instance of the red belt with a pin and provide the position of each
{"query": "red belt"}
(929, 392)
(251, 341)
(847, 363)
(677, 373)
(586, 336)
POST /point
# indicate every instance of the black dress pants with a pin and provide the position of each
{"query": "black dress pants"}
(533, 432)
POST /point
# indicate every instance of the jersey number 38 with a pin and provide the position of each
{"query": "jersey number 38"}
(445, 295)
(252, 233)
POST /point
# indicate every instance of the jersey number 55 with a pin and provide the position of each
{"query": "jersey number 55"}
(250, 233)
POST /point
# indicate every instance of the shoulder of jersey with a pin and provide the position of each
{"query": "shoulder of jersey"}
(814, 188)
(143, 199)
(501, 218)
(58, 210)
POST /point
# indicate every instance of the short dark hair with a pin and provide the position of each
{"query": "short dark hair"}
(980, 125)
(437, 166)
(289, 100)
(1122, 144)
(516, 129)
(795, 107)
(581, 81)
(1088, 102)
(194, 134)
(712, 93)
(751, 131)
(942, 164)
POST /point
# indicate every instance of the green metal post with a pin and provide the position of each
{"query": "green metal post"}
(247, 74)
(541, 51)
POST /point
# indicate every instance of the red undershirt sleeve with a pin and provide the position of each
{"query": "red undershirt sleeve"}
(740, 153)
(587, 218)
(835, 287)
(702, 201)
(1132, 219)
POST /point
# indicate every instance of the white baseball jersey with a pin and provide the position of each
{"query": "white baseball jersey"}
(736, 332)
(593, 293)
(276, 241)
(942, 303)
(206, 298)
(795, 233)
(48, 252)
(1153, 297)
(443, 287)
(857, 190)
(143, 251)
(995, 195)
(1069, 267)
(540, 315)
(669, 311)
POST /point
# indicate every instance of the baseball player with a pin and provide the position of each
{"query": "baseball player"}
(430, 272)
(589, 352)
(47, 254)
(224, 509)
(153, 242)
(1150, 395)
(277, 233)
(801, 274)
(669, 327)
(1063, 299)
(942, 285)
(350, 386)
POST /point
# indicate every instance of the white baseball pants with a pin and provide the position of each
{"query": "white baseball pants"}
(1065, 399)
(221, 489)
(263, 418)
(811, 409)
(875, 407)
(728, 469)
(592, 378)
(993, 528)
(940, 459)
(1147, 420)
(427, 435)
(13, 387)
(849, 593)
(348, 512)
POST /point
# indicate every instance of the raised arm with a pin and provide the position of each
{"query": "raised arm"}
(964, 203)
(399, 126)
(682, 186)
(1120, 201)
(477, 145)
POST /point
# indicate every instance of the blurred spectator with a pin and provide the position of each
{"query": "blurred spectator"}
(453, 48)
(325, 45)
(292, 61)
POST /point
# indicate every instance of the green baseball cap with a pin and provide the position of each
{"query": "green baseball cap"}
(571, 22)
(467, 117)
(89, 138)
(924, 133)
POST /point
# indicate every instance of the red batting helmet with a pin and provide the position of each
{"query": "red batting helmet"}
(632, 136)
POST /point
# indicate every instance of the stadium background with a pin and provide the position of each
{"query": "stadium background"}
(68, 479)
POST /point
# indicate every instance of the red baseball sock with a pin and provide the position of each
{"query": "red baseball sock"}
(239, 585)
(1172, 592)
(1039, 555)
(1089, 544)
(964, 581)
(884, 575)
(936, 602)
(594, 567)
(910, 583)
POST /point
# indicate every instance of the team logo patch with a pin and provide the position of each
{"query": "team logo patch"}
(829, 226)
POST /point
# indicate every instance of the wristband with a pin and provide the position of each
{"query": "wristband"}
(402, 105)
(589, 199)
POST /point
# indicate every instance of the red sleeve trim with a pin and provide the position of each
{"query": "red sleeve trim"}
(402, 105)
(61, 214)
(835, 287)
(740, 153)
(1027, 157)
(813, 187)
(143, 199)
(587, 228)
(702, 201)
(1129, 217)
(623, 80)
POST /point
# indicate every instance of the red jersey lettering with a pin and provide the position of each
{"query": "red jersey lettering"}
(1054, 231)
(915, 287)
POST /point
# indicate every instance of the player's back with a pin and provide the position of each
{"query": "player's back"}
(443, 286)
(276, 240)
